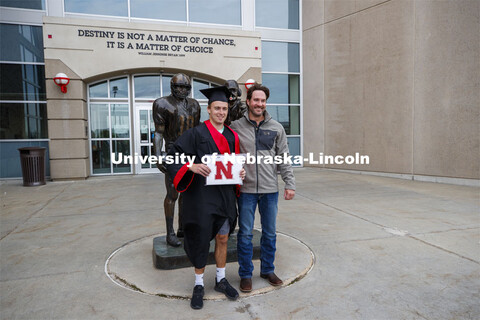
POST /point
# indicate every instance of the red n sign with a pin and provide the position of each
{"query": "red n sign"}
(221, 168)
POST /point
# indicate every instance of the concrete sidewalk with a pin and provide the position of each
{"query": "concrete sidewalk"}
(384, 249)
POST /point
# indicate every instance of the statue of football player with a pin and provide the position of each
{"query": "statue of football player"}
(173, 115)
(236, 108)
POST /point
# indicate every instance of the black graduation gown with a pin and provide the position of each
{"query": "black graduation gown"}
(205, 208)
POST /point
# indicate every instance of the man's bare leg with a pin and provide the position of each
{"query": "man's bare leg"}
(199, 271)
(221, 283)
(221, 242)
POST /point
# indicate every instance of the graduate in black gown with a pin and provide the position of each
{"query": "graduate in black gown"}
(209, 210)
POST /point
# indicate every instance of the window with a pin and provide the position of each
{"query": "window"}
(21, 43)
(281, 74)
(227, 12)
(284, 88)
(151, 87)
(215, 11)
(104, 7)
(288, 116)
(197, 86)
(23, 121)
(280, 56)
(109, 121)
(113, 89)
(283, 14)
(110, 133)
(99, 90)
(30, 4)
(147, 87)
(23, 109)
(119, 88)
(159, 9)
(23, 82)
(166, 85)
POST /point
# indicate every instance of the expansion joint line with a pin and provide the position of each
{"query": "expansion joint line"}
(382, 226)
(36, 212)
(443, 249)
(346, 212)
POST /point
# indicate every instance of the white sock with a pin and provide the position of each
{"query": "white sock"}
(220, 274)
(199, 279)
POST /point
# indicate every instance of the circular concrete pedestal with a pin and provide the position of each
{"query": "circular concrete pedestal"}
(131, 267)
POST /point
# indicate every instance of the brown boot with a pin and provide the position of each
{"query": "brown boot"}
(272, 279)
(246, 284)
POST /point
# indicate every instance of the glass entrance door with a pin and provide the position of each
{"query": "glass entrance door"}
(144, 133)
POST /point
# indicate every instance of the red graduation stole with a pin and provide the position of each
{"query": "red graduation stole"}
(221, 141)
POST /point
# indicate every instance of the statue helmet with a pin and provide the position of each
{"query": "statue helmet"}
(234, 89)
(180, 85)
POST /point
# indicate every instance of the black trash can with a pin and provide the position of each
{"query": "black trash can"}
(33, 165)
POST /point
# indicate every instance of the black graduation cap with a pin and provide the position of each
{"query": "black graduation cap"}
(220, 93)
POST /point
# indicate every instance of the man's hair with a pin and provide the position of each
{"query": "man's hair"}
(257, 86)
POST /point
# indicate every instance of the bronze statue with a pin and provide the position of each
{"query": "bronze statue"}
(236, 108)
(173, 115)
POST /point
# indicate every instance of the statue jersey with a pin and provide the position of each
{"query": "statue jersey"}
(176, 115)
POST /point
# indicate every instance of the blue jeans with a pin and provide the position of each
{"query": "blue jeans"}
(268, 207)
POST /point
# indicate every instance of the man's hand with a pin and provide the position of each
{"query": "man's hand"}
(201, 169)
(289, 194)
(242, 174)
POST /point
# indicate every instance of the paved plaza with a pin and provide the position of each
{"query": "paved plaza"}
(381, 248)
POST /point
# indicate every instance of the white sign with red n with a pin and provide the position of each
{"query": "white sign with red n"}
(225, 169)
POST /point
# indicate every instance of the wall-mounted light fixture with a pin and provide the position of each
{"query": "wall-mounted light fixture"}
(62, 80)
(249, 83)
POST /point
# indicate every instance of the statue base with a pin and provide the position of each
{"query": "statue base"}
(167, 257)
